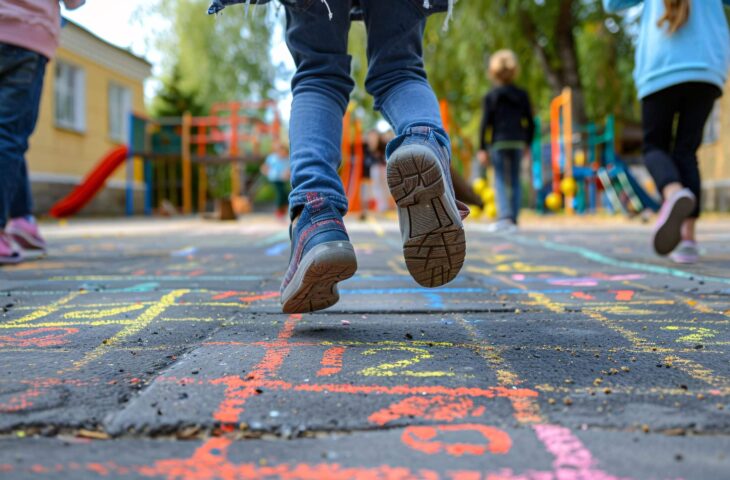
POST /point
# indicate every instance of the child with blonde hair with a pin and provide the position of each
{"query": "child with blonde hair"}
(505, 135)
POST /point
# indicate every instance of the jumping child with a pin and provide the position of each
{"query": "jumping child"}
(681, 67)
(508, 114)
(417, 159)
(29, 32)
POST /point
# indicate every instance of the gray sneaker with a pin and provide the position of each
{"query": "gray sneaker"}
(434, 244)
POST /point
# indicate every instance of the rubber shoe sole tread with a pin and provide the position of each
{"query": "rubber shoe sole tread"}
(434, 244)
(314, 285)
(669, 234)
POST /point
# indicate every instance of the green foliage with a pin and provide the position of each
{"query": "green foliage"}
(559, 42)
(214, 59)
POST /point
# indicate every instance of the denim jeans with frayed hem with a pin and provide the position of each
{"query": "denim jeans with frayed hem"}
(21, 84)
(322, 85)
(507, 182)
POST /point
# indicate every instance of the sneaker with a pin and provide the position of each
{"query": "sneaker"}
(668, 229)
(321, 256)
(504, 225)
(26, 234)
(8, 253)
(430, 218)
(686, 253)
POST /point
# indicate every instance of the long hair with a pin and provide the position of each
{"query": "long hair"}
(676, 14)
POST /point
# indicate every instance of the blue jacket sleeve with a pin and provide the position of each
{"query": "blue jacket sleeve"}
(617, 5)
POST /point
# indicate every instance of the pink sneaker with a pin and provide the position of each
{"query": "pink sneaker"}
(26, 234)
(668, 229)
(8, 253)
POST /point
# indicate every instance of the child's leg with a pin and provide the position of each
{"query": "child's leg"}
(21, 82)
(419, 157)
(658, 113)
(321, 88)
(321, 253)
(516, 161)
(501, 175)
(396, 75)
(696, 105)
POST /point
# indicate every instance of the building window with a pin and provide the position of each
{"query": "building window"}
(70, 97)
(120, 106)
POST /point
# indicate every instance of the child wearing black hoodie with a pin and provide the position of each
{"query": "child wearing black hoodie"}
(508, 116)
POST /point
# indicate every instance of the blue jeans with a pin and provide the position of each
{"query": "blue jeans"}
(21, 84)
(507, 182)
(322, 85)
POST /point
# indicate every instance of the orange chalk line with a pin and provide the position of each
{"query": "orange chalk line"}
(239, 389)
(347, 388)
(331, 361)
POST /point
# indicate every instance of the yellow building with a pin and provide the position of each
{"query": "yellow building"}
(90, 89)
(715, 156)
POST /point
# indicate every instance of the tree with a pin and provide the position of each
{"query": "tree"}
(561, 43)
(216, 59)
(172, 101)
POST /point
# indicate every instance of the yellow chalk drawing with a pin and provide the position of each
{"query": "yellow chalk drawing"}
(94, 323)
(110, 312)
(48, 309)
(700, 333)
(624, 310)
(399, 367)
(499, 258)
(521, 267)
(138, 324)
(526, 409)
(396, 267)
(480, 271)
(544, 301)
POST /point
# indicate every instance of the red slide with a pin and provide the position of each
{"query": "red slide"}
(82, 194)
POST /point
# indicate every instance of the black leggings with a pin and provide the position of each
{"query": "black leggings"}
(669, 154)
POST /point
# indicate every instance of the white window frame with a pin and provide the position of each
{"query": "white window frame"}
(119, 106)
(70, 95)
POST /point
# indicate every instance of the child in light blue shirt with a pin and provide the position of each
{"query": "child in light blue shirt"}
(682, 62)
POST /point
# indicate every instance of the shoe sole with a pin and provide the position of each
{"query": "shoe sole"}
(435, 245)
(669, 234)
(26, 241)
(314, 285)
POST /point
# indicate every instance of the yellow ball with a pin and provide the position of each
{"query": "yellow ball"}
(487, 195)
(475, 212)
(479, 185)
(568, 186)
(554, 202)
(491, 210)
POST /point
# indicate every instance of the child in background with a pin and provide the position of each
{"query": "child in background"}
(682, 63)
(418, 158)
(29, 32)
(508, 114)
(276, 169)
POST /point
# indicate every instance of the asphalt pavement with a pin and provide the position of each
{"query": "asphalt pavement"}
(157, 349)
